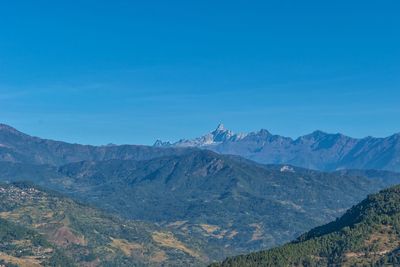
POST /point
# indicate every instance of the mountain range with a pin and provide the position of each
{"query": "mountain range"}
(318, 150)
(208, 204)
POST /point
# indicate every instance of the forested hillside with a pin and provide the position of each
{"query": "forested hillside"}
(366, 235)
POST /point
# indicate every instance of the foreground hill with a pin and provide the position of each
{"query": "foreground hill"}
(366, 235)
(16, 146)
(318, 150)
(227, 202)
(42, 228)
(20, 246)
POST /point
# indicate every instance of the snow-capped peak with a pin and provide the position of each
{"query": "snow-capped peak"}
(220, 127)
(219, 135)
(287, 168)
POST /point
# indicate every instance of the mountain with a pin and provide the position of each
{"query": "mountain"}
(366, 235)
(226, 201)
(318, 150)
(16, 146)
(42, 228)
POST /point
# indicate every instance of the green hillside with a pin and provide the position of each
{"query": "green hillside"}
(39, 228)
(366, 235)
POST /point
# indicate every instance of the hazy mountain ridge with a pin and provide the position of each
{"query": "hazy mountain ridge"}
(368, 234)
(318, 150)
(16, 146)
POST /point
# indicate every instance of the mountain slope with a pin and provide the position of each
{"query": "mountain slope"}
(20, 246)
(83, 235)
(19, 147)
(367, 234)
(250, 206)
(226, 201)
(318, 150)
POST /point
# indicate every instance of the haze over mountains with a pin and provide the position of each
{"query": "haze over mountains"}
(318, 150)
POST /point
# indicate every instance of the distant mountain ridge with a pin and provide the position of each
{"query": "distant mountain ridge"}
(16, 146)
(318, 150)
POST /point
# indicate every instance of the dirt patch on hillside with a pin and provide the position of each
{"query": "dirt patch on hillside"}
(63, 236)
(128, 248)
(168, 240)
(22, 262)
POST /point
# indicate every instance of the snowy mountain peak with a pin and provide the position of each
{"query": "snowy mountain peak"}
(219, 135)
(220, 128)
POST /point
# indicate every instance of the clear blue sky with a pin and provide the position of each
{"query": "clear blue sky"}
(135, 71)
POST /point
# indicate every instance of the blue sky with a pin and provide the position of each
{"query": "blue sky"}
(135, 71)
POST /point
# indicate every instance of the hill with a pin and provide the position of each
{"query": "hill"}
(43, 228)
(227, 202)
(318, 150)
(368, 234)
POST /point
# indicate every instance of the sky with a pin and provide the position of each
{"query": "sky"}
(99, 72)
